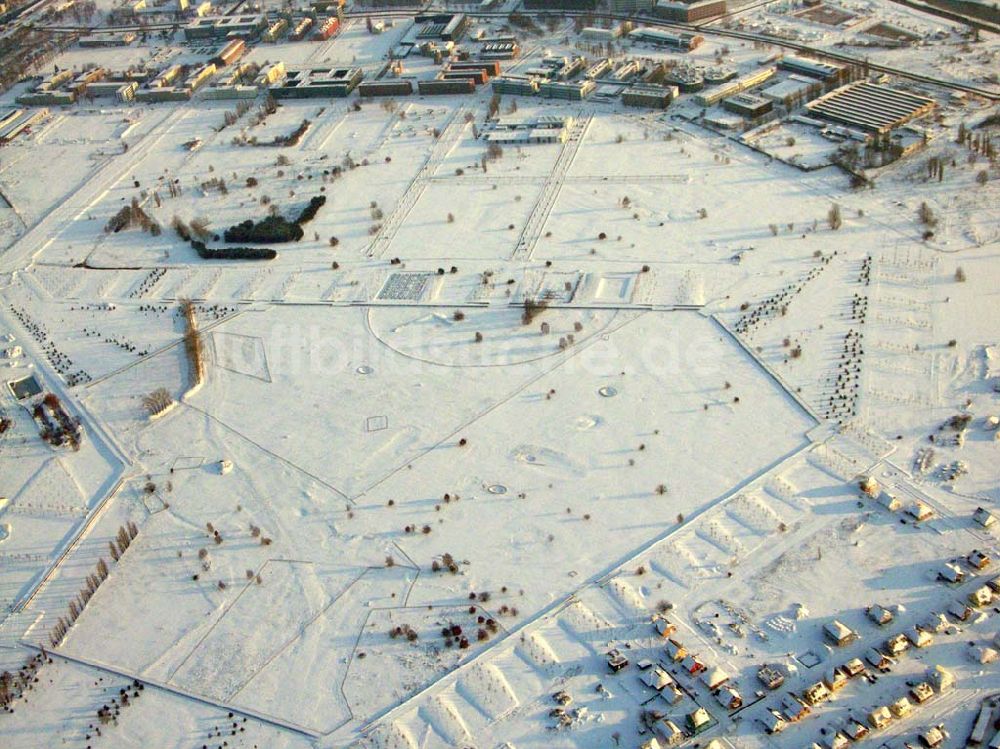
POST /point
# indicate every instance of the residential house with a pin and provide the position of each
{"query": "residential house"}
(978, 560)
(675, 651)
(880, 717)
(773, 722)
(816, 693)
(921, 692)
(901, 707)
(770, 677)
(693, 665)
(699, 720)
(656, 678)
(981, 596)
(839, 633)
(879, 614)
(897, 644)
(853, 667)
(714, 678)
(729, 698)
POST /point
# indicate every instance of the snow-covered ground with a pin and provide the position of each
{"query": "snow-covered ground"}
(495, 412)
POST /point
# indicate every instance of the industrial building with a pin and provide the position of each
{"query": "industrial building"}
(499, 50)
(519, 85)
(748, 105)
(275, 30)
(595, 34)
(674, 10)
(122, 91)
(311, 83)
(870, 107)
(560, 4)
(215, 27)
(571, 90)
(688, 79)
(649, 95)
(16, 121)
(108, 39)
(328, 28)
(792, 91)
(717, 93)
(682, 42)
(446, 86)
(813, 68)
(230, 53)
(388, 87)
(541, 129)
(447, 27)
(270, 74)
(630, 6)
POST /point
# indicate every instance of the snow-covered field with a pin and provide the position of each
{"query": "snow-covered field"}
(498, 411)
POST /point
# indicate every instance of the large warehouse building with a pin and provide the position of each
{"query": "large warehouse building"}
(674, 10)
(870, 107)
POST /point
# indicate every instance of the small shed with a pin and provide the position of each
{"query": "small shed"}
(616, 661)
(951, 573)
(984, 517)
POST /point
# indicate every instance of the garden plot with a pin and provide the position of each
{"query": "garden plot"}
(464, 220)
(246, 639)
(263, 510)
(385, 653)
(66, 712)
(315, 352)
(586, 463)
(313, 660)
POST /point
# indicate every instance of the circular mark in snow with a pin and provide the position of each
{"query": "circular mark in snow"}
(364, 369)
(497, 489)
(607, 392)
